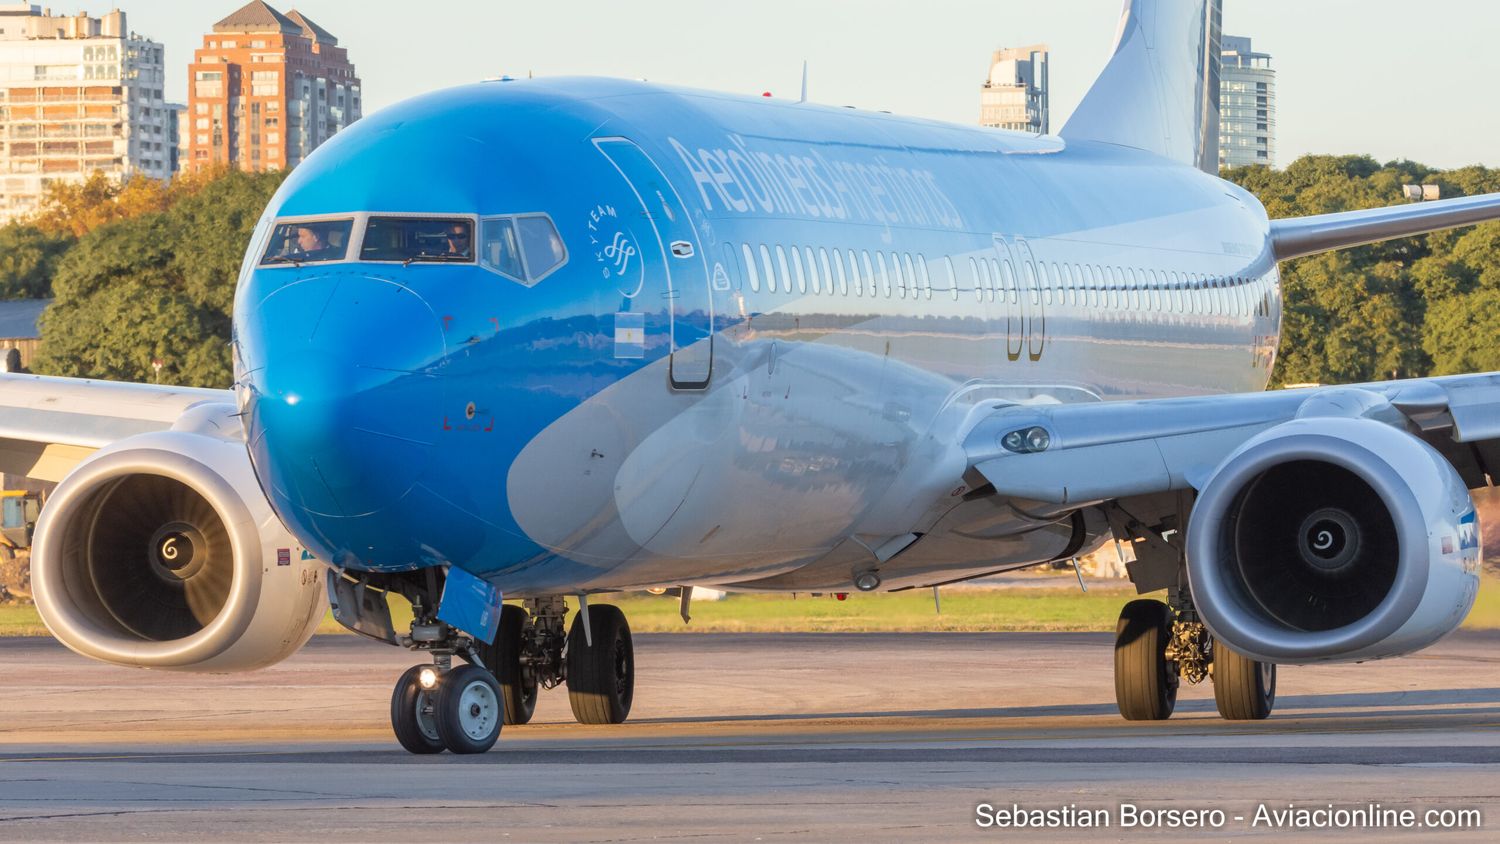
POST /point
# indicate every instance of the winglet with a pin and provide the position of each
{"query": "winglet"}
(1160, 91)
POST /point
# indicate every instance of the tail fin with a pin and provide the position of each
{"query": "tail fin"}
(1160, 91)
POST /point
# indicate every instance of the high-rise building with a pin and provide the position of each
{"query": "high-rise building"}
(266, 89)
(1247, 106)
(78, 95)
(1015, 95)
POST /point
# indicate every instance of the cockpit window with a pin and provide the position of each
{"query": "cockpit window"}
(501, 251)
(526, 248)
(308, 241)
(418, 239)
(541, 245)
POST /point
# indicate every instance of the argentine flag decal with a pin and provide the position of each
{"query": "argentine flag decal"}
(630, 335)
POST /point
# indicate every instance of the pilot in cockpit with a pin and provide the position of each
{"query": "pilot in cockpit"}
(312, 244)
(459, 238)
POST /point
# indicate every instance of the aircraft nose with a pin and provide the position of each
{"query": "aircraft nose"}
(344, 396)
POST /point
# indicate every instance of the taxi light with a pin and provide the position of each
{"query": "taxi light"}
(1037, 439)
(428, 678)
(1027, 441)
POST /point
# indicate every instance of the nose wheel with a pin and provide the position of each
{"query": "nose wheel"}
(414, 712)
(458, 710)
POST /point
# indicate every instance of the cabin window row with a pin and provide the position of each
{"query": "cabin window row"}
(902, 275)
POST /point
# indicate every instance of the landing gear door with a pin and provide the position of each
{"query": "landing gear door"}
(678, 256)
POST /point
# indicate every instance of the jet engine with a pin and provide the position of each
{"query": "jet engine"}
(161, 551)
(1333, 539)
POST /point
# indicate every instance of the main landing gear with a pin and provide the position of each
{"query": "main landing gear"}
(462, 709)
(1158, 645)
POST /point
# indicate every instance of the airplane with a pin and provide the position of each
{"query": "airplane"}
(532, 339)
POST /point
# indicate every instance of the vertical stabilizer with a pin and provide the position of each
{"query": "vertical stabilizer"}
(1160, 91)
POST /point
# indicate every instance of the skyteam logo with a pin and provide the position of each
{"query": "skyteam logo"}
(1468, 531)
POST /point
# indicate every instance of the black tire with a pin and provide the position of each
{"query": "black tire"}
(1145, 681)
(415, 728)
(469, 711)
(503, 658)
(1244, 689)
(601, 679)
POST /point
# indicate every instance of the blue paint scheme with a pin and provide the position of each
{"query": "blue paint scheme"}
(828, 415)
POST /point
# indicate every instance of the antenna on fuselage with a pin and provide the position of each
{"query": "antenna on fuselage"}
(804, 82)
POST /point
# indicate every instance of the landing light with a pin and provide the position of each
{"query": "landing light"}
(1027, 441)
(428, 678)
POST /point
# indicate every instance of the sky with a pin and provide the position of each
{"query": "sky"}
(1388, 78)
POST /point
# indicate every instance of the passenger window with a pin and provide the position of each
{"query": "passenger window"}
(420, 240)
(801, 275)
(864, 258)
(952, 276)
(750, 268)
(995, 291)
(500, 250)
(924, 280)
(911, 275)
(898, 280)
(838, 265)
(827, 269)
(785, 276)
(541, 245)
(974, 279)
(856, 281)
(884, 274)
(989, 282)
(308, 242)
(768, 268)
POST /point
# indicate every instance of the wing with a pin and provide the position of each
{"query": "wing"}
(1302, 236)
(50, 425)
(1110, 450)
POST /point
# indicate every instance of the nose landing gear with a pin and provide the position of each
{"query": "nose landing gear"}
(462, 709)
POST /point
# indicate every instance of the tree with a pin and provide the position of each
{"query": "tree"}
(28, 257)
(1399, 309)
(163, 284)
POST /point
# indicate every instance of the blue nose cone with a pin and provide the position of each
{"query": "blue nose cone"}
(344, 403)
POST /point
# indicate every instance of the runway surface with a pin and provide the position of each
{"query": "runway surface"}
(737, 737)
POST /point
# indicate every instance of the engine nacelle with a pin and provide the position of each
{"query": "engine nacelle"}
(161, 551)
(1333, 539)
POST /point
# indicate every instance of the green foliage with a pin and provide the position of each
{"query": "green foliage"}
(1402, 309)
(156, 286)
(28, 258)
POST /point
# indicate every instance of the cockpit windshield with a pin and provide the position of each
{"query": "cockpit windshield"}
(419, 239)
(309, 241)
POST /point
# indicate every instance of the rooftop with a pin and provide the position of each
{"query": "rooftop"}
(18, 318)
(258, 16)
(312, 30)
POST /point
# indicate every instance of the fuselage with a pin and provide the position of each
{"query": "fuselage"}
(752, 344)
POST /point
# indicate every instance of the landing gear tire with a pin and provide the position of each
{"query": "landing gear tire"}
(517, 691)
(468, 709)
(1244, 689)
(412, 714)
(601, 678)
(1145, 680)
